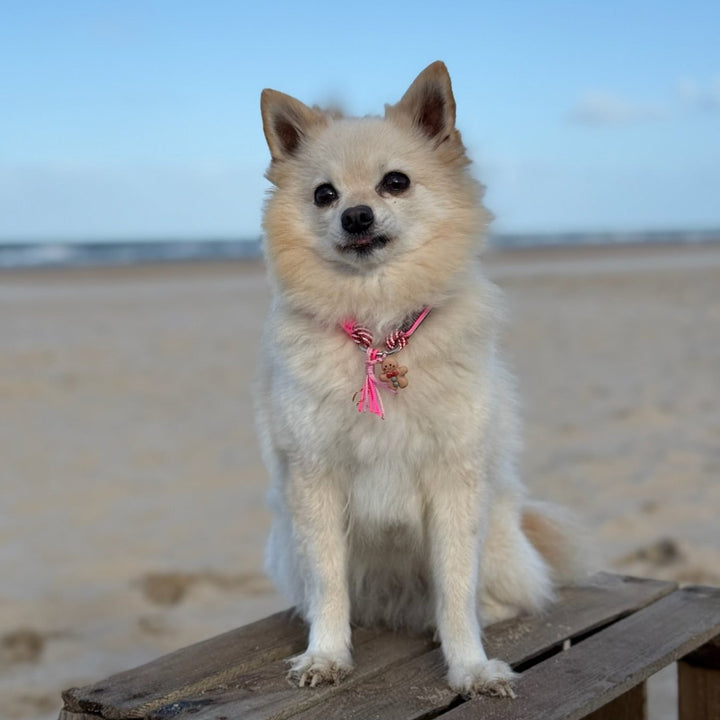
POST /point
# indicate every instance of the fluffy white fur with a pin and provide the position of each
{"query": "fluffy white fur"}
(418, 520)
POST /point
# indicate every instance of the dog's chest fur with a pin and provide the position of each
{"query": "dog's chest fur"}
(386, 480)
(386, 467)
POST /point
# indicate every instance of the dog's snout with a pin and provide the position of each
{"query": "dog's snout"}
(357, 219)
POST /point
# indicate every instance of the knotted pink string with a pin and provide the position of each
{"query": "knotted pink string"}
(370, 399)
(397, 339)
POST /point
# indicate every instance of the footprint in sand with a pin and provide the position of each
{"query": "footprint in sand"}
(665, 551)
(23, 645)
(170, 588)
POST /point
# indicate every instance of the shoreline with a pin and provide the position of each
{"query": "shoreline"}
(491, 254)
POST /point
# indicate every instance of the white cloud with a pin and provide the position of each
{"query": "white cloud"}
(602, 109)
(698, 96)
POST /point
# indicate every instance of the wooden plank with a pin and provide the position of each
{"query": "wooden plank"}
(267, 692)
(572, 684)
(579, 610)
(699, 683)
(223, 670)
(418, 688)
(209, 663)
(395, 689)
(631, 705)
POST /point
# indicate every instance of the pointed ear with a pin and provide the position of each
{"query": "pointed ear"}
(428, 104)
(286, 121)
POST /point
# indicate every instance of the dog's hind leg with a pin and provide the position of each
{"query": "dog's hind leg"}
(514, 577)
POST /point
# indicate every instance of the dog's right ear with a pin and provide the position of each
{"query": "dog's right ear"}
(286, 121)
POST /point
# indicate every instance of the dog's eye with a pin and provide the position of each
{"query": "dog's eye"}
(395, 182)
(325, 194)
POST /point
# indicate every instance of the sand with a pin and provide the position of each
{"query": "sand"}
(132, 518)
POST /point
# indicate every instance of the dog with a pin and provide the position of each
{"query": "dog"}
(393, 503)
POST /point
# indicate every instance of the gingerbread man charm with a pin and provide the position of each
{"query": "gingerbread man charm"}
(393, 374)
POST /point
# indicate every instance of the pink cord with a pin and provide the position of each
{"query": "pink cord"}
(370, 399)
(417, 322)
(397, 339)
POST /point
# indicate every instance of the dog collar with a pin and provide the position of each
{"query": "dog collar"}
(392, 377)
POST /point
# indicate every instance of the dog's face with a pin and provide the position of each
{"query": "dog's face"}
(369, 199)
(362, 189)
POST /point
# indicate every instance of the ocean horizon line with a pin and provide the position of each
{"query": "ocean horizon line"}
(37, 253)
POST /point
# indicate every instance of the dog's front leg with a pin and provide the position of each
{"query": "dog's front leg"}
(318, 510)
(456, 537)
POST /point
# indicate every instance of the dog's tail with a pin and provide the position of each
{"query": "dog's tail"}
(560, 540)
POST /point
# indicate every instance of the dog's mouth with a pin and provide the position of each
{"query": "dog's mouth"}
(363, 245)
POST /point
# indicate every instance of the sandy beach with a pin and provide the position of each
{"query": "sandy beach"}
(132, 519)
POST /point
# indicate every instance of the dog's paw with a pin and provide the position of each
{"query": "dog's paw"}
(311, 669)
(489, 677)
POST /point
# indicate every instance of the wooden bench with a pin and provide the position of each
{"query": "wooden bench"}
(588, 656)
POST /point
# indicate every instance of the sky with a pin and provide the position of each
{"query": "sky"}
(140, 119)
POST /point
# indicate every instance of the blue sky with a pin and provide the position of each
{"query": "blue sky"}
(139, 119)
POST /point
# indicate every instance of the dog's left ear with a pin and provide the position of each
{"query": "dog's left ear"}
(428, 104)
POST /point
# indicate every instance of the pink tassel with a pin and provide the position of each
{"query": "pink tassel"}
(370, 399)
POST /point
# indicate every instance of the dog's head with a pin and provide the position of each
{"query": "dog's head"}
(361, 202)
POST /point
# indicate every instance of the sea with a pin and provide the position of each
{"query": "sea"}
(58, 254)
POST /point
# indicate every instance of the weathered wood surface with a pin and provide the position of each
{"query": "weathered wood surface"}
(572, 684)
(415, 688)
(241, 674)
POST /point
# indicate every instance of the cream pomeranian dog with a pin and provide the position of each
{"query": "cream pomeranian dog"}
(385, 413)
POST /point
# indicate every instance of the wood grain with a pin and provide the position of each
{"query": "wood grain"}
(418, 688)
(572, 684)
(193, 669)
(242, 673)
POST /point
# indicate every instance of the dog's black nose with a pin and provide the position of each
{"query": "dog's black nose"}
(357, 219)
